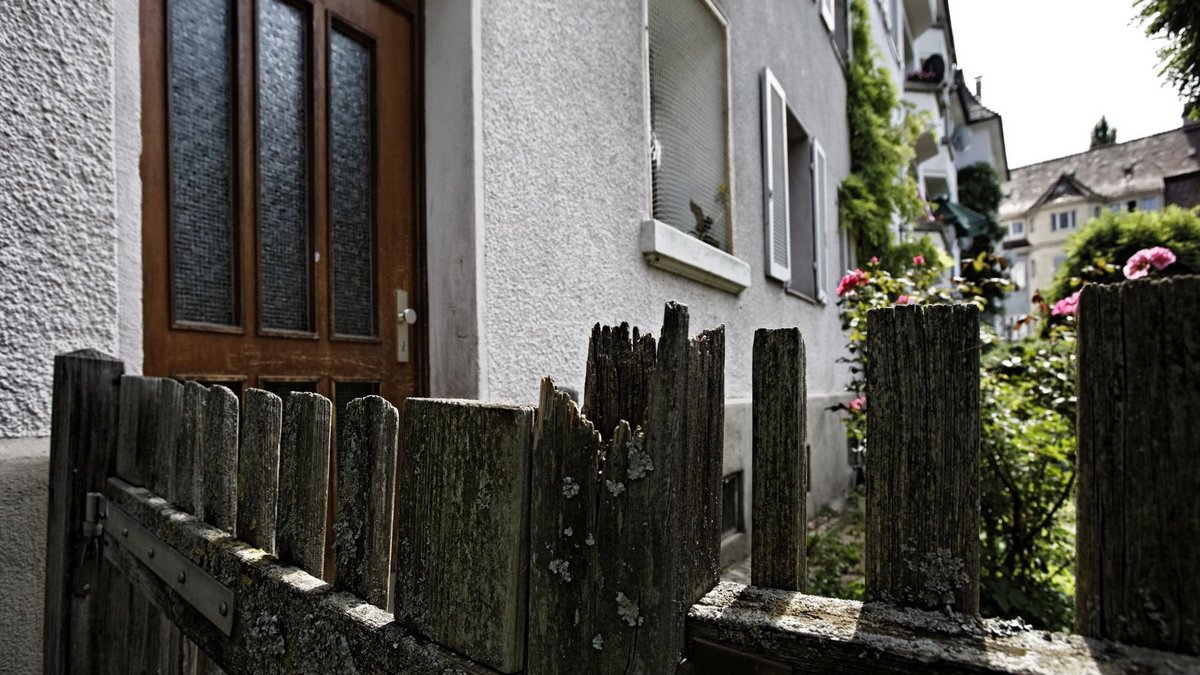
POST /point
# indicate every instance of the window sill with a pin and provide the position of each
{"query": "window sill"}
(819, 301)
(671, 249)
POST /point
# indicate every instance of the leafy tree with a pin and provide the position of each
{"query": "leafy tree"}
(979, 190)
(1099, 251)
(1178, 22)
(880, 185)
(1102, 134)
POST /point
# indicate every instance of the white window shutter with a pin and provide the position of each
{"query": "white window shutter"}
(820, 213)
(827, 13)
(775, 179)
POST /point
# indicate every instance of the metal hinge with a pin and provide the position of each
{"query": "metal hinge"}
(198, 588)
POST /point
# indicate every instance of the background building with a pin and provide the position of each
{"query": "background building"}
(1045, 203)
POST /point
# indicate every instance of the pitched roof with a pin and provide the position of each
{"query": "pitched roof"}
(1107, 173)
(976, 111)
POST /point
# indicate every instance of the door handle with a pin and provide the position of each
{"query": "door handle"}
(405, 316)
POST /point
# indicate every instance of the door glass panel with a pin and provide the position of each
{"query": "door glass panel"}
(200, 81)
(343, 394)
(283, 167)
(282, 388)
(352, 183)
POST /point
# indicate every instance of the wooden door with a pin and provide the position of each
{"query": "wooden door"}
(280, 235)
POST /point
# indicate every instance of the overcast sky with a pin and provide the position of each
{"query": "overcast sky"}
(1053, 67)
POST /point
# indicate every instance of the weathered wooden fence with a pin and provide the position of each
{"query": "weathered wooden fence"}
(481, 538)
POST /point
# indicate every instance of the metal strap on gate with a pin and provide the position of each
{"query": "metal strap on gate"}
(198, 588)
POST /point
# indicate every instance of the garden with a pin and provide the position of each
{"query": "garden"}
(1027, 400)
(1027, 386)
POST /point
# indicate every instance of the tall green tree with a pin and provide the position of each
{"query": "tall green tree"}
(1178, 23)
(1102, 134)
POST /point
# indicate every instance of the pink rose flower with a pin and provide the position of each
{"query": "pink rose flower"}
(1139, 263)
(851, 281)
(902, 300)
(858, 404)
(918, 260)
(874, 260)
(1068, 306)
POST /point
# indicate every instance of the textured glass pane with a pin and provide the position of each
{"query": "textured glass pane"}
(282, 388)
(689, 147)
(348, 391)
(351, 188)
(283, 199)
(200, 79)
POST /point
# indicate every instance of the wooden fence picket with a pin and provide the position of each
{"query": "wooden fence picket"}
(304, 481)
(922, 536)
(220, 459)
(563, 491)
(462, 546)
(610, 515)
(366, 498)
(258, 469)
(83, 437)
(1138, 569)
(702, 465)
(780, 457)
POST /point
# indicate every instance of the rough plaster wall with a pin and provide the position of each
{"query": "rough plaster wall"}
(453, 218)
(127, 113)
(24, 466)
(58, 281)
(566, 185)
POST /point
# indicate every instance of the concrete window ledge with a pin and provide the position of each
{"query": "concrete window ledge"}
(671, 249)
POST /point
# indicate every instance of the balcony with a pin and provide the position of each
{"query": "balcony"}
(920, 14)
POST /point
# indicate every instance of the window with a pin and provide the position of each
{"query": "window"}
(1019, 274)
(827, 13)
(1149, 203)
(1016, 228)
(1096, 211)
(1131, 205)
(796, 197)
(893, 24)
(1063, 220)
(689, 95)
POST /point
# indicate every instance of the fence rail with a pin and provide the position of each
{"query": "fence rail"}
(482, 538)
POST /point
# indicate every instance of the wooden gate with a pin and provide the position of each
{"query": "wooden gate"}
(559, 540)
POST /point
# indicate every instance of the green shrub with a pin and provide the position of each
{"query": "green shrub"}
(1027, 536)
(1099, 251)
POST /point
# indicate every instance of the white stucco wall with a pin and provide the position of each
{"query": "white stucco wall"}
(58, 241)
(24, 488)
(70, 252)
(566, 186)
